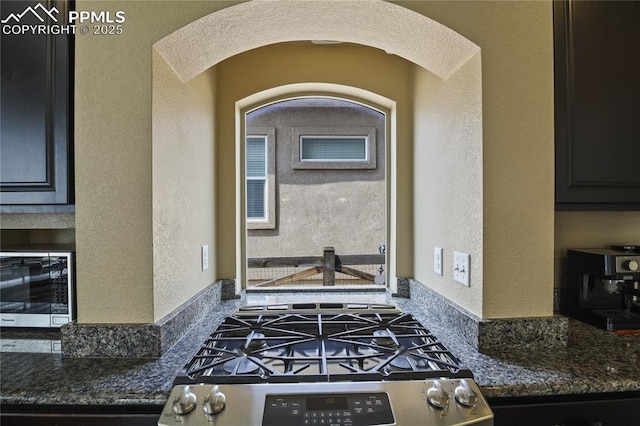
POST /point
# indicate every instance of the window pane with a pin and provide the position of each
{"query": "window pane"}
(334, 148)
(256, 156)
(255, 199)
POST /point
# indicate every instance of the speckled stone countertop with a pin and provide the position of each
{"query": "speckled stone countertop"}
(594, 361)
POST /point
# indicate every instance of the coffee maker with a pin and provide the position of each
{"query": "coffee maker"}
(602, 287)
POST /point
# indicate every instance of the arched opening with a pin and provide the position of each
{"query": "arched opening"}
(436, 60)
(315, 194)
(336, 183)
(394, 29)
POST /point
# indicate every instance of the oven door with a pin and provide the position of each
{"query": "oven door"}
(34, 290)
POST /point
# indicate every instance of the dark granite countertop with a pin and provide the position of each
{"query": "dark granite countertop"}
(594, 361)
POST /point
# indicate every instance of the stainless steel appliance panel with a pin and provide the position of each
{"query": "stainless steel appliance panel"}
(36, 289)
(245, 404)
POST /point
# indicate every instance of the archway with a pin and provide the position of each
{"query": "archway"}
(386, 26)
(346, 94)
(223, 34)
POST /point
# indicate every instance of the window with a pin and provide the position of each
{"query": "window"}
(260, 165)
(334, 148)
(256, 155)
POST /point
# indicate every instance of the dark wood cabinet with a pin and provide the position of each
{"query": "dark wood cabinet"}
(597, 105)
(36, 152)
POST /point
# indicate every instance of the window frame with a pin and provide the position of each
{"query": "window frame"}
(262, 178)
(368, 133)
(269, 221)
(308, 138)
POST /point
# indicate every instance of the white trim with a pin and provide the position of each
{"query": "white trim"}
(315, 90)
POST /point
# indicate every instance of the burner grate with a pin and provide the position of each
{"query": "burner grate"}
(314, 346)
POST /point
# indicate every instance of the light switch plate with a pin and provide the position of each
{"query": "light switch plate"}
(437, 260)
(461, 268)
(205, 257)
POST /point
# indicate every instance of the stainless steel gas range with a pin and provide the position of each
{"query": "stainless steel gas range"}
(324, 364)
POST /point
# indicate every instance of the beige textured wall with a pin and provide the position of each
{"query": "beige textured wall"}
(592, 230)
(518, 155)
(183, 182)
(113, 160)
(448, 180)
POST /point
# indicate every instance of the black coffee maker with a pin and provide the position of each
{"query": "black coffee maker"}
(602, 287)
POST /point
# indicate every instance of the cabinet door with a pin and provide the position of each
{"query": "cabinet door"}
(597, 83)
(36, 148)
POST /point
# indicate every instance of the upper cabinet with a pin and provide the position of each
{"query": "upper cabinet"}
(36, 149)
(597, 105)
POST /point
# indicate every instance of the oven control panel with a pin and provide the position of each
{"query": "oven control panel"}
(347, 409)
(438, 402)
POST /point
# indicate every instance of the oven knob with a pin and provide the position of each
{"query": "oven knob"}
(184, 403)
(437, 396)
(465, 395)
(630, 265)
(214, 402)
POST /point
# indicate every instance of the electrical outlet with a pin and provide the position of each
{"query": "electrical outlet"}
(461, 268)
(437, 260)
(205, 257)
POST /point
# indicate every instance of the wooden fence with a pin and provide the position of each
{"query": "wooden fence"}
(327, 264)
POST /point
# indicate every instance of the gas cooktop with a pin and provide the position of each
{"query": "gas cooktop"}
(326, 364)
(320, 342)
